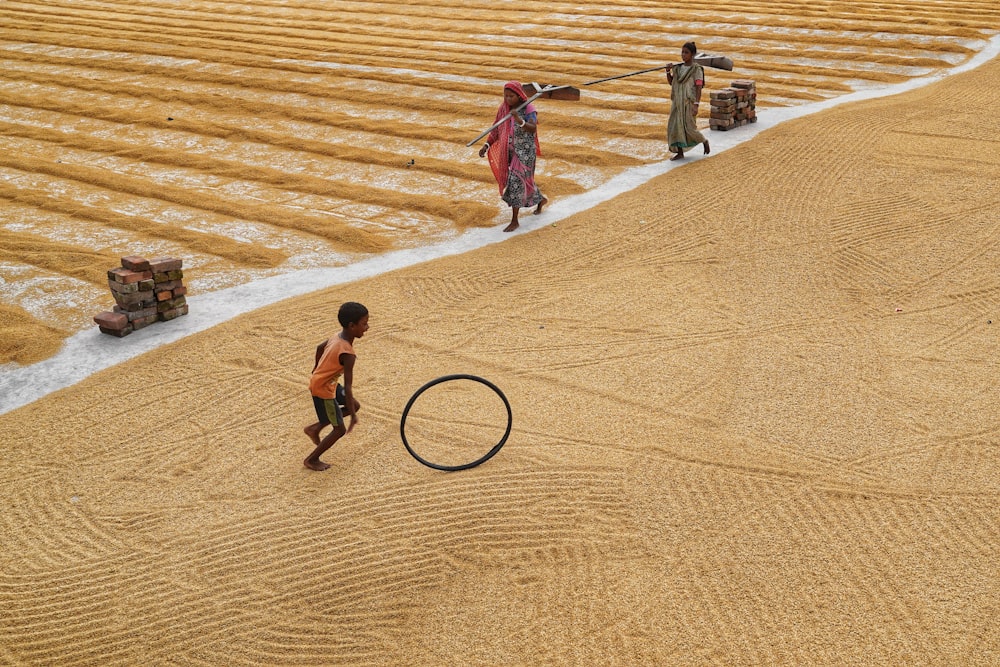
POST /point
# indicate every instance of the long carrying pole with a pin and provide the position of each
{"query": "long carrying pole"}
(549, 89)
(528, 101)
(721, 62)
(622, 76)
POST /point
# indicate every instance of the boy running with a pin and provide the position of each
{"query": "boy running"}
(335, 357)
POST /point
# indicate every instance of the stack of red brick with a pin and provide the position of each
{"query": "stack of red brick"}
(734, 106)
(145, 291)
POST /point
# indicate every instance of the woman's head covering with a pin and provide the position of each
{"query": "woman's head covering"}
(517, 88)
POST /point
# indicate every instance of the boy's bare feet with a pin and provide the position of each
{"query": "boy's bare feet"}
(315, 465)
(538, 209)
(313, 434)
(679, 156)
(512, 226)
(707, 149)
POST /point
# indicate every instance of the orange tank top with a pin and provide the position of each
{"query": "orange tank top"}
(323, 381)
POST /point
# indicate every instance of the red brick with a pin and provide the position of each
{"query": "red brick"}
(165, 295)
(111, 320)
(133, 307)
(175, 312)
(180, 291)
(164, 264)
(171, 304)
(131, 299)
(135, 263)
(134, 315)
(118, 333)
(124, 288)
(123, 275)
(142, 322)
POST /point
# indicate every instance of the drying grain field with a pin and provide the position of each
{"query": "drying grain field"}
(258, 137)
(754, 398)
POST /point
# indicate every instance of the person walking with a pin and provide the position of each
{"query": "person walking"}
(686, 81)
(512, 148)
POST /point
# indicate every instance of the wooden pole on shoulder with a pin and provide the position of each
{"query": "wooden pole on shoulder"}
(719, 62)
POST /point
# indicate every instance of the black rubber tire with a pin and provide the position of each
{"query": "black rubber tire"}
(448, 378)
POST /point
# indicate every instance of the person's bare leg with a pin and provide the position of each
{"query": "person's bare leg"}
(514, 224)
(679, 156)
(707, 149)
(313, 432)
(538, 209)
(312, 461)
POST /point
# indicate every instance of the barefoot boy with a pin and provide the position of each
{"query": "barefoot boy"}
(335, 356)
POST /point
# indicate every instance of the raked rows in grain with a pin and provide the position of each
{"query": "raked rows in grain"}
(255, 137)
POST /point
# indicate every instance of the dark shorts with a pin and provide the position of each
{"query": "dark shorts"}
(328, 410)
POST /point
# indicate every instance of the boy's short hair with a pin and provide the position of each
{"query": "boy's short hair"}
(350, 313)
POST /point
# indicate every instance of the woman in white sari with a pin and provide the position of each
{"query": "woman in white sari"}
(686, 81)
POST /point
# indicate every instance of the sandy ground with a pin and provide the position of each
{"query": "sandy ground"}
(754, 422)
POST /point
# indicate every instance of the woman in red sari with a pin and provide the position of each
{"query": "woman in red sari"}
(511, 148)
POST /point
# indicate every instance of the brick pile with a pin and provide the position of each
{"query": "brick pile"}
(734, 106)
(145, 291)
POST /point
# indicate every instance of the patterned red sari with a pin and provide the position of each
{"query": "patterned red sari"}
(512, 154)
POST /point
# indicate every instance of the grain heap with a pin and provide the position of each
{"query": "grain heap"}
(734, 106)
(145, 291)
